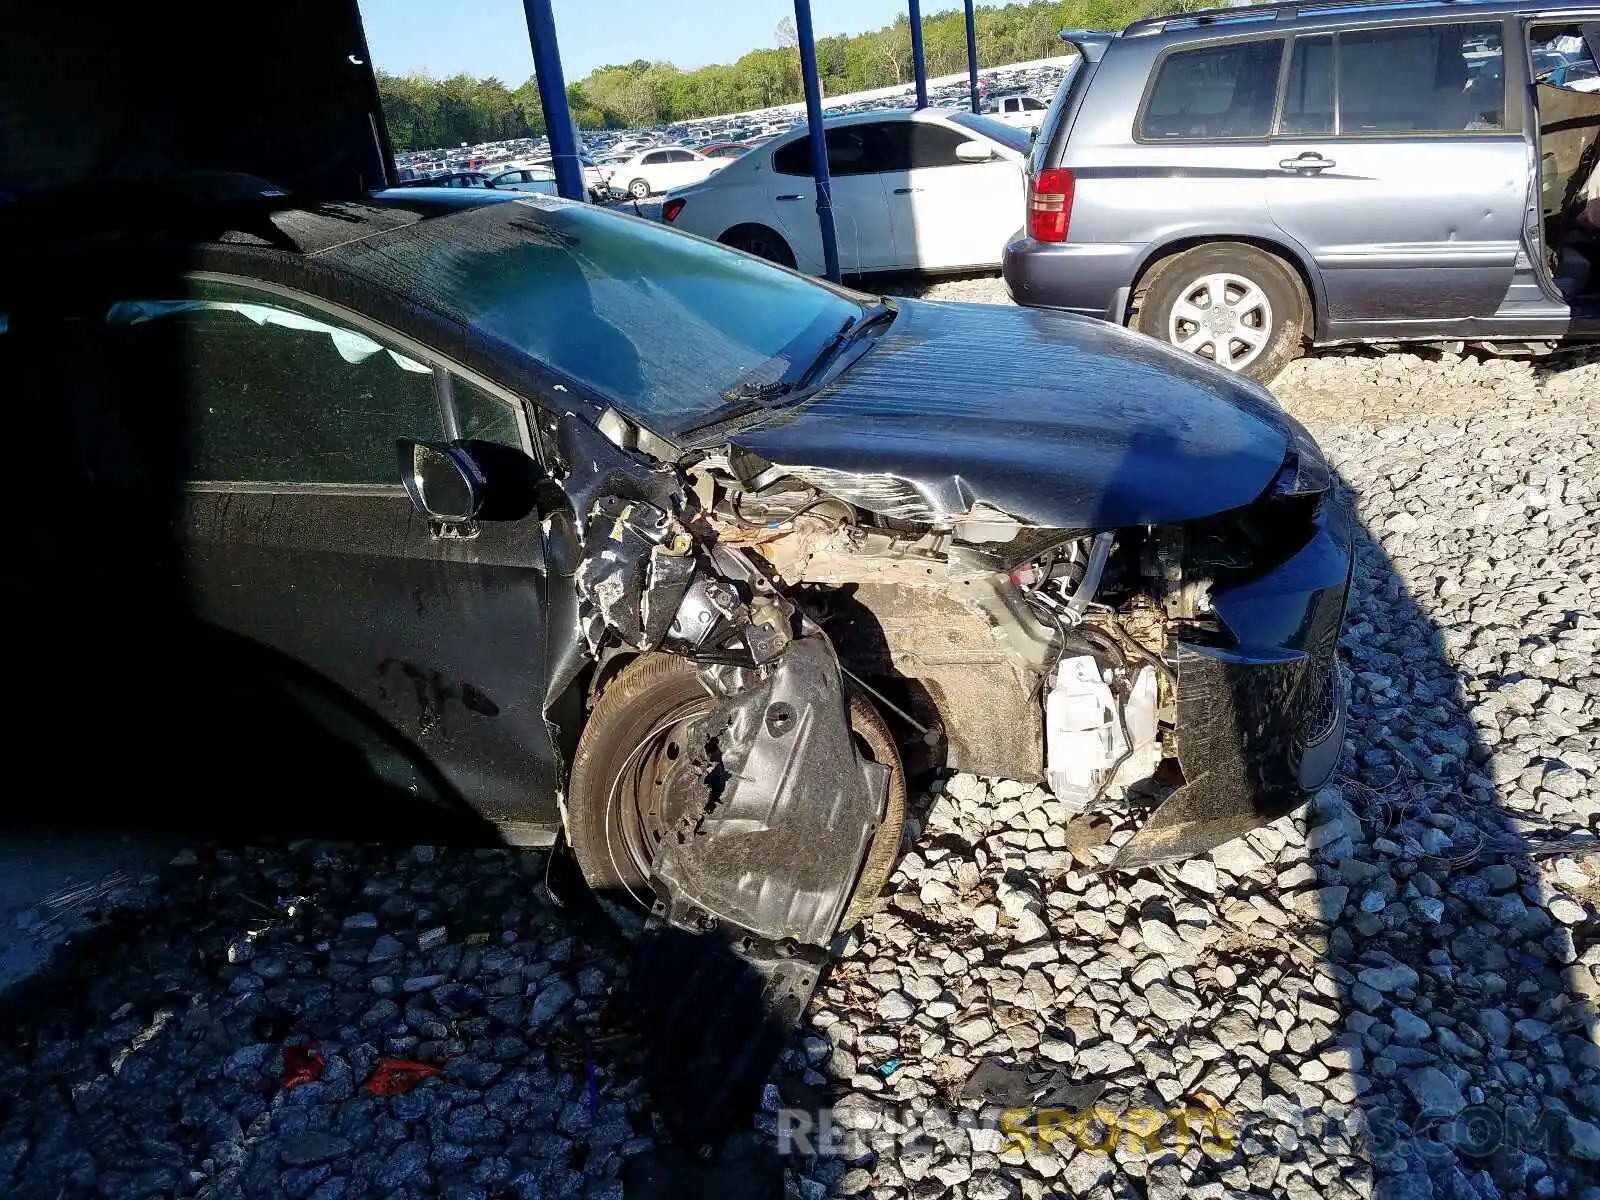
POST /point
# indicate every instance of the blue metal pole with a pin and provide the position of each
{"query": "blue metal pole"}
(819, 141)
(916, 53)
(972, 56)
(553, 98)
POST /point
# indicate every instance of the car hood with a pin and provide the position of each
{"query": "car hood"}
(1056, 420)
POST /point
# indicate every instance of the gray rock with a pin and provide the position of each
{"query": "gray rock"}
(312, 1147)
(1171, 1004)
(894, 1006)
(406, 1164)
(1583, 1139)
(385, 949)
(1321, 904)
(1237, 858)
(1433, 1091)
(1409, 1029)
(1495, 1025)
(553, 997)
(1388, 979)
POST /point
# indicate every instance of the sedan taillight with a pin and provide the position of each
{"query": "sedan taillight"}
(671, 209)
(1050, 204)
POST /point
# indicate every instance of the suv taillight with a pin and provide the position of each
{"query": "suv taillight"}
(1050, 204)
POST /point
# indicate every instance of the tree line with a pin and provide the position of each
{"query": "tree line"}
(423, 112)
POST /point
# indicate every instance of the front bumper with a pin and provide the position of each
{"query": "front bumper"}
(1260, 724)
(1092, 279)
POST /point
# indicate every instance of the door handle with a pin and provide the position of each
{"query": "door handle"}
(1309, 161)
(792, 196)
(905, 191)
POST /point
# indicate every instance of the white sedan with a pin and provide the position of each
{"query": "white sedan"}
(662, 169)
(932, 190)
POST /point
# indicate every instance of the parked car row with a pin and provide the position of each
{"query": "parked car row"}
(1239, 187)
(715, 137)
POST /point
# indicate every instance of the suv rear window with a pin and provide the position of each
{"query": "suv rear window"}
(1225, 91)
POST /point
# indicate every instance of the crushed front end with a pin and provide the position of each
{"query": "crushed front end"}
(1200, 655)
(1196, 655)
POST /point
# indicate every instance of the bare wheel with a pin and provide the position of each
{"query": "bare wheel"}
(639, 189)
(1233, 305)
(633, 779)
(1226, 318)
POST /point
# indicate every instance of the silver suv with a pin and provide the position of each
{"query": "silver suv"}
(1245, 181)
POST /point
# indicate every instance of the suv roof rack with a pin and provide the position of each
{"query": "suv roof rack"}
(1276, 12)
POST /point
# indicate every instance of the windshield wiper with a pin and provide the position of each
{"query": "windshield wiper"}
(750, 396)
(848, 333)
(752, 390)
(743, 398)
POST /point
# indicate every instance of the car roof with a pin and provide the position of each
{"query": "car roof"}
(1223, 22)
(871, 115)
(182, 212)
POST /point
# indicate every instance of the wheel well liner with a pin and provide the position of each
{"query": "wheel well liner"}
(751, 225)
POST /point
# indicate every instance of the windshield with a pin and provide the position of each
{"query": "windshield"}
(1009, 136)
(662, 324)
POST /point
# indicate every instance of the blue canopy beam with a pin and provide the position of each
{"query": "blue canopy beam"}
(553, 98)
(972, 55)
(917, 58)
(819, 142)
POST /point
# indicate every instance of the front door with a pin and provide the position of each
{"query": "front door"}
(1402, 170)
(857, 157)
(948, 213)
(421, 654)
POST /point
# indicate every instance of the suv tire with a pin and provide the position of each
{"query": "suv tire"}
(633, 734)
(1258, 302)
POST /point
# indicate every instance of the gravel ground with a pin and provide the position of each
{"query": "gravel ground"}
(1420, 941)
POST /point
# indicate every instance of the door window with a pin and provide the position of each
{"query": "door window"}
(681, 156)
(654, 160)
(1308, 105)
(1421, 79)
(481, 417)
(275, 393)
(1214, 92)
(928, 145)
(1561, 57)
(852, 150)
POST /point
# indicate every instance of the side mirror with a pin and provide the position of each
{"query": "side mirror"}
(974, 152)
(443, 481)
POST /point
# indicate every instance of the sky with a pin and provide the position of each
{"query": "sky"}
(490, 37)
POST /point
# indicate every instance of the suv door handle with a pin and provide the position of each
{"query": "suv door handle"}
(792, 196)
(1309, 161)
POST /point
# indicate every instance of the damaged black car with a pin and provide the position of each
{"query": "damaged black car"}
(605, 530)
